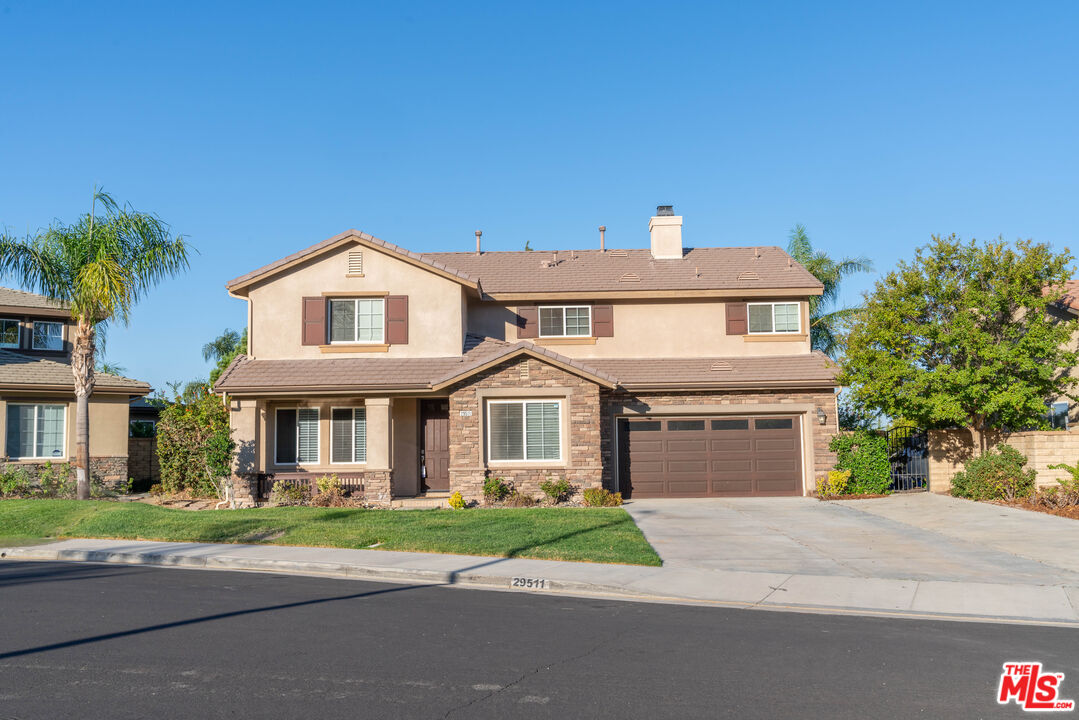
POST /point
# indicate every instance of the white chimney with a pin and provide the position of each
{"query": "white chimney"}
(666, 230)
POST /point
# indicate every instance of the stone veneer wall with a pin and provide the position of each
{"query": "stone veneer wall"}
(824, 459)
(110, 471)
(468, 466)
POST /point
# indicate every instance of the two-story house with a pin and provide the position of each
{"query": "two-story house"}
(37, 392)
(666, 372)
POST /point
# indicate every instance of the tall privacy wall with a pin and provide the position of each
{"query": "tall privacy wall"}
(949, 449)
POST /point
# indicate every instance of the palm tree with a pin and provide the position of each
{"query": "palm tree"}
(223, 349)
(825, 323)
(221, 346)
(100, 267)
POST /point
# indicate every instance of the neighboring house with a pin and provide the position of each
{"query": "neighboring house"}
(662, 372)
(1064, 412)
(37, 392)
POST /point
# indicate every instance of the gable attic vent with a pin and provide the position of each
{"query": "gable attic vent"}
(355, 262)
(722, 366)
(630, 277)
(618, 253)
(748, 275)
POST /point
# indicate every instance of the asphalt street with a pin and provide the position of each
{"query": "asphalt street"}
(95, 641)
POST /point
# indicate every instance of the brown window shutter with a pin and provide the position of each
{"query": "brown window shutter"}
(602, 321)
(736, 318)
(314, 321)
(397, 320)
(527, 322)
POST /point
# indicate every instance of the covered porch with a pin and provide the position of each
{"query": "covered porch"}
(380, 447)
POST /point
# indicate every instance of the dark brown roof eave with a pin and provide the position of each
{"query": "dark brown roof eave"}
(264, 390)
(728, 385)
(98, 389)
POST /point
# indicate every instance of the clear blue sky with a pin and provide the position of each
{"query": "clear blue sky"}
(259, 130)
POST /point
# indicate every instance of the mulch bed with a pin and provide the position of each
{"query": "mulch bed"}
(863, 496)
(1068, 512)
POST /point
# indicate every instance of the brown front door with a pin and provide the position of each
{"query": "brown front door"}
(710, 457)
(435, 420)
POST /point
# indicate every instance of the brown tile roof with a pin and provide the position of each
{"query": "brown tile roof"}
(586, 271)
(20, 298)
(707, 268)
(247, 375)
(384, 373)
(18, 370)
(335, 240)
(807, 370)
(1070, 297)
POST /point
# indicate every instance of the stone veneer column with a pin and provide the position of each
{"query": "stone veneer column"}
(243, 419)
(377, 475)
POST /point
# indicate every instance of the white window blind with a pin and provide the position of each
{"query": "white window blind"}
(307, 435)
(524, 430)
(35, 431)
(348, 435)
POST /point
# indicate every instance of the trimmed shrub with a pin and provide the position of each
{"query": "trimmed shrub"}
(1065, 493)
(834, 485)
(15, 482)
(865, 455)
(556, 491)
(495, 489)
(518, 499)
(457, 501)
(601, 497)
(999, 474)
(287, 493)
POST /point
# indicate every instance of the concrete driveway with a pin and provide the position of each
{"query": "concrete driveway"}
(909, 537)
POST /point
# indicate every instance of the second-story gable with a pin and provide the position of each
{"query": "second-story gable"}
(353, 298)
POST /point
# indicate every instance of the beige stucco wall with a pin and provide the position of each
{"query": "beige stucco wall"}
(651, 328)
(950, 449)
(108, 421)
(435, 324)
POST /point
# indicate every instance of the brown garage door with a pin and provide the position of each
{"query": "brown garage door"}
(710, 456)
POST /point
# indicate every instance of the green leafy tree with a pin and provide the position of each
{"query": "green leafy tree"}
(826, 320)
(223, 350)
(100, 266)
(964, 335)
(194, 442)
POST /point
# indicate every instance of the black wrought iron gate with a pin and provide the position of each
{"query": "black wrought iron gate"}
(908, 453)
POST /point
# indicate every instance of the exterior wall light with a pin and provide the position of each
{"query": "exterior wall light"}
(821, 417)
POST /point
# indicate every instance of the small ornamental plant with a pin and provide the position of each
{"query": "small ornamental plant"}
(457, 501)
(834, 485)
(495, 489)
(556, 490)
(601, 497)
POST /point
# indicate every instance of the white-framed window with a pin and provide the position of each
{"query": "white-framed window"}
(9, 333)
(1058, 416)
(565, 321)
(35, 431)
(527, 430)
(780, 317)
(296, 436)
(357, 320)
(348, 435)
(48, 335)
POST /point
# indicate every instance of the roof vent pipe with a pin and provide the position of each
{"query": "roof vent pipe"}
(479, 234)
(602, 229)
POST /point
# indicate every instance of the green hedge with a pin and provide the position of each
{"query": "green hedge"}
(865, 454)
(999, 474)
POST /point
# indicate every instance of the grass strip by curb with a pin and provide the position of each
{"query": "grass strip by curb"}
(605, 535)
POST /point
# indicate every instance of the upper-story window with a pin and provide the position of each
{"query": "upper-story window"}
(357, 320)
(774, 318)
(9, 333)
(565, 321)
(48, 335)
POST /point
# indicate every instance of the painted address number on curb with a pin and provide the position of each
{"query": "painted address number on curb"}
(529, 583)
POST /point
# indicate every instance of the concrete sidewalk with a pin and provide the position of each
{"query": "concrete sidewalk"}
(1014, 602)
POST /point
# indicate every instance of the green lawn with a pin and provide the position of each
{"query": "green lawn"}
(584, 534)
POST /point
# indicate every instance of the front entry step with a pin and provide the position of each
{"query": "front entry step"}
(426, 502)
